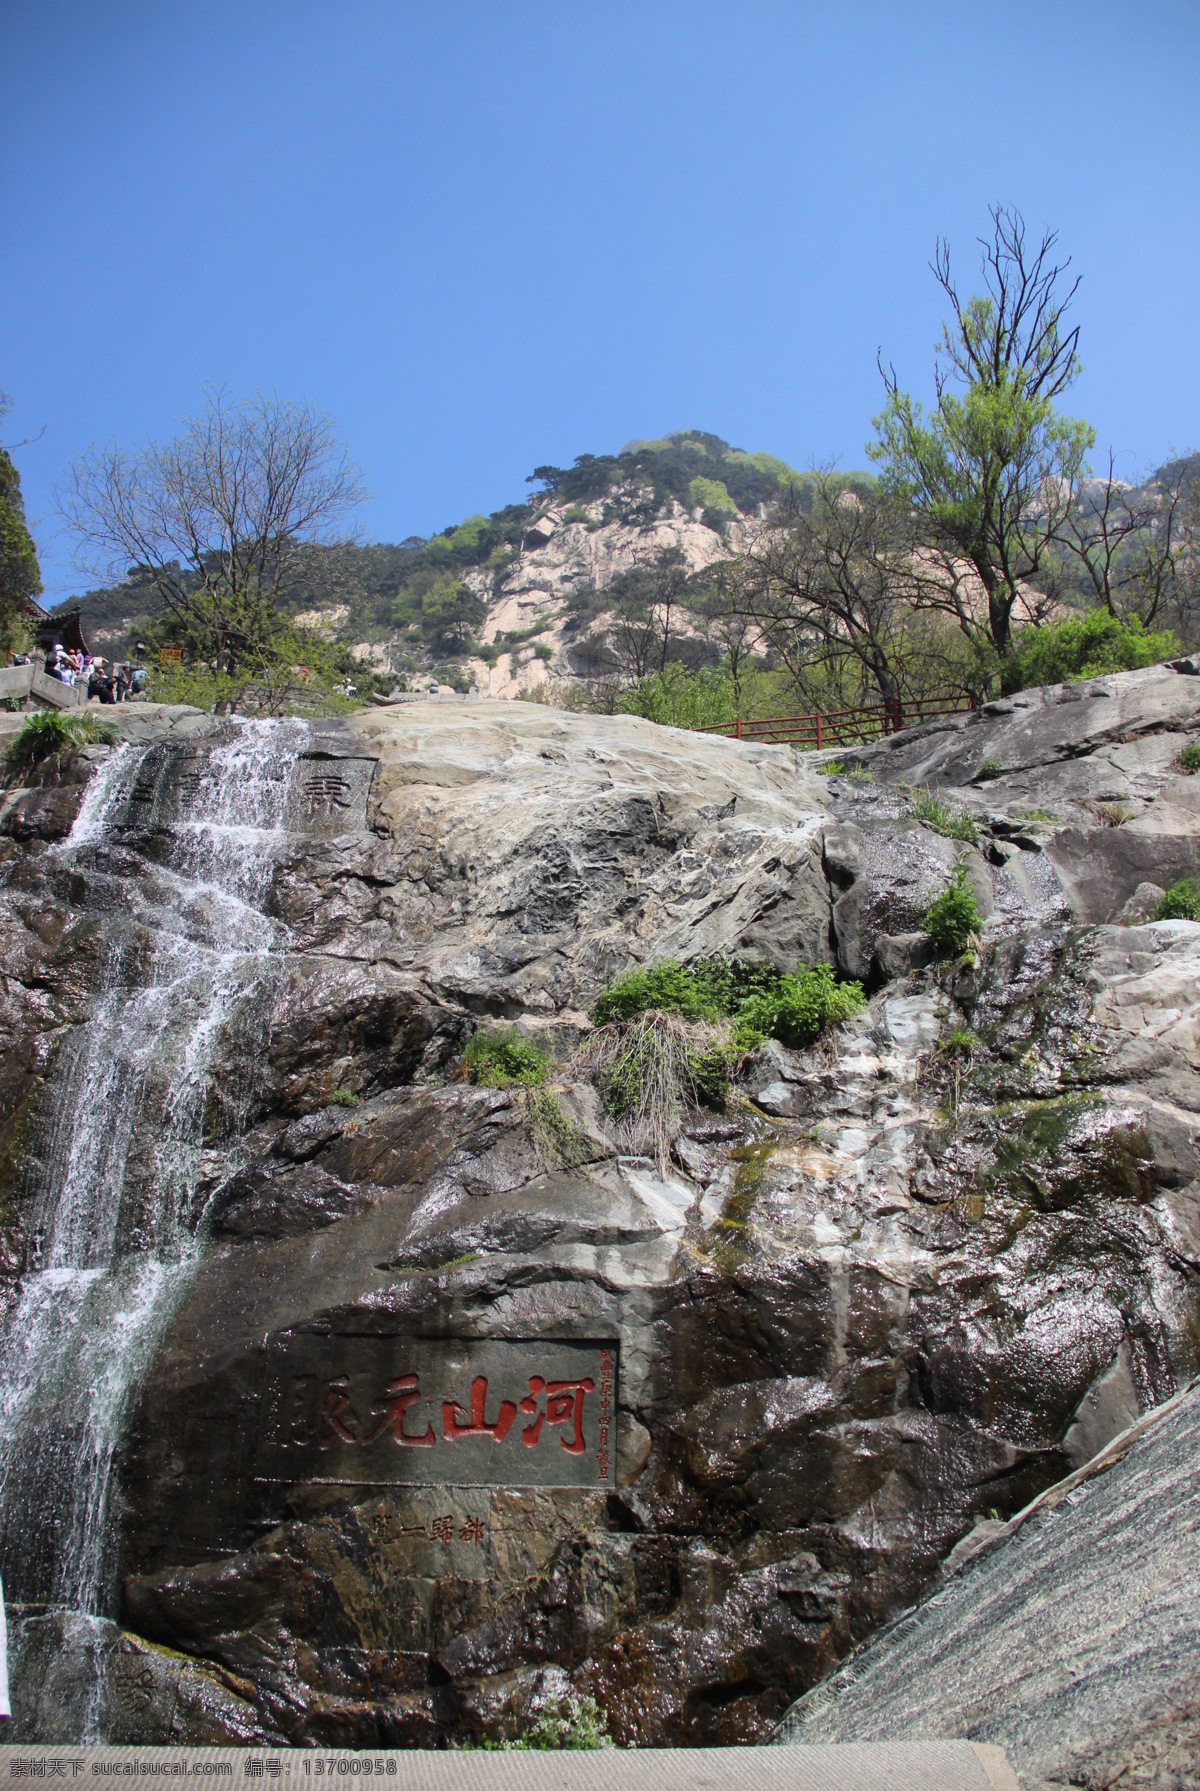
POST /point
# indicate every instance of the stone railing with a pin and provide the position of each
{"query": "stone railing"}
(25, 684)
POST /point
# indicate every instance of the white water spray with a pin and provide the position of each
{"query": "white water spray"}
(114, 1200)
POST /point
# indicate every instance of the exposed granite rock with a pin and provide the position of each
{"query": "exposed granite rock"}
(1090, 777)
(893, 1290)
(1068, 1636)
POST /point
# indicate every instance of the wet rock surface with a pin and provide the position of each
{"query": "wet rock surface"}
(1069, 1638)
(907, 1279)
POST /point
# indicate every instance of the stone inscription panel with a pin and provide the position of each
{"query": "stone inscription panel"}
(329, 795)
(353, 1410)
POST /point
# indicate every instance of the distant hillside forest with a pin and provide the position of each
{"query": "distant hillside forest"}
(416, 585)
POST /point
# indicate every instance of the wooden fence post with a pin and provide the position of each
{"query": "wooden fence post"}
(818, 730)
(739, 727)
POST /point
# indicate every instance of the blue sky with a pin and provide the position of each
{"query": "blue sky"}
(486, 235)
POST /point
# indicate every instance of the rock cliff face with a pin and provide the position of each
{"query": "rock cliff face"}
(570, 550)
(1069, 1636)
(890, 1293)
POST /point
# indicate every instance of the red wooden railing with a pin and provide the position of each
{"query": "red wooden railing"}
(841, 727)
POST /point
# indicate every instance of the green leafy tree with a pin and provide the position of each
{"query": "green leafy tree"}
(449, 612)
(989, 470)
(20, 578)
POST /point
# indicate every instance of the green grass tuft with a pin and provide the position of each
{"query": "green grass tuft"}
(578, 1722)
(1189, 758)
(504, 1059)
(48, 734)
(762, 1002)
(952, 823)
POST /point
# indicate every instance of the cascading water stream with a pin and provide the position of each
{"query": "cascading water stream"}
(115, 1168)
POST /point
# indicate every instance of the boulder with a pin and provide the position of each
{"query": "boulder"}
(1068, 1637)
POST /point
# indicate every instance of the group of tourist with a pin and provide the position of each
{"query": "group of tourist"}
(110, 683)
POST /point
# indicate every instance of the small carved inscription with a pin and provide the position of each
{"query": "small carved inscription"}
(329, 794)
(363, 1410)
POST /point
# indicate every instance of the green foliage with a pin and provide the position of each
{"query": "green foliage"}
(680, 697)
(988, 769)
(713, 497)
(657, 471)
(49, 733)
(953, 916)
(960, 1042)
(952, 823)
(20, 578)
(1189, 758)
(343, 1097)
(761, 1001)
(1080, 647)
(1181, 901)
(241, 651)
(438, 607)
(668, 986)
(578, 1722)
(674, 1033)
(832, 768)
(983, 469)
(502, 1059)
(799, 1008)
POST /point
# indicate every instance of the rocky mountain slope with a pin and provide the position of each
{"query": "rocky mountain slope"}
(503, 602)
(896, 1288)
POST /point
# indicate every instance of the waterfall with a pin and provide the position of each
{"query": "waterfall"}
(125, 1127)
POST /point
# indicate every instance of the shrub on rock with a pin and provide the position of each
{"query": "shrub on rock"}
(1181, 901)
(953, 916)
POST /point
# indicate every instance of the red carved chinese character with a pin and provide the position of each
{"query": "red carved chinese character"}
(471, 1530)
(442, 1529)
(564, 1405)
(454, 1425)
(529, 1405)
(401, 1394)
(337, 1401)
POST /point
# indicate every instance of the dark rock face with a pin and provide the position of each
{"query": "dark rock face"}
(1069, 1638)
(891, 1293)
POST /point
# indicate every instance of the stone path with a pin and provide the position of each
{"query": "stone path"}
(924, 1766)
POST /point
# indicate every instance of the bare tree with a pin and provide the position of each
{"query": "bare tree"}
(835, 579)
(645, 604)
(1136, 547)
(668, 580)
(633, 633)
(222, 517)
(728, 623)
